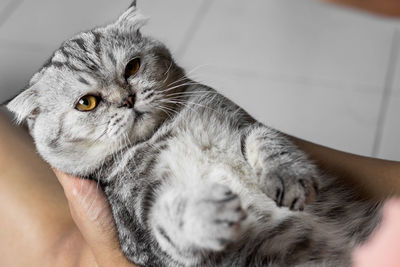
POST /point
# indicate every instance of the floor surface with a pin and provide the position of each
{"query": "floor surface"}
(322, 73)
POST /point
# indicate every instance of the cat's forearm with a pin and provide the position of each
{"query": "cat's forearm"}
(284, 172)
(194, 219)
(166, 218)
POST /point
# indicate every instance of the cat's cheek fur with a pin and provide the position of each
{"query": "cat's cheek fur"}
(53, 138)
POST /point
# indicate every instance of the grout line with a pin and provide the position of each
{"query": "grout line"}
(8, 10)
(387, 91)
(194, 26)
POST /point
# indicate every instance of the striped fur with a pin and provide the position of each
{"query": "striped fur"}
(191, 178)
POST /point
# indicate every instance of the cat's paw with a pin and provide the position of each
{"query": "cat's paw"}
(290, 187)
(213, 218)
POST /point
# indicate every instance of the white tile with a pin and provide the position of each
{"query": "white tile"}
(343, 119)
(169, 20)
(49, 22)
(301, 39)
(7, 8)
(17, 65)
(390, 145)
(307, 68)
(3, 4)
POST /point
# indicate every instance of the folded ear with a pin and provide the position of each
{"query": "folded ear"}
(24, 104)
(131, 20)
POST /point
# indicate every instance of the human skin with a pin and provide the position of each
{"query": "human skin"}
(384, 246)
(42, 226)
(375, 178)
(378, 7)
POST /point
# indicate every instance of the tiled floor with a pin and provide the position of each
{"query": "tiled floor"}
(322, 73)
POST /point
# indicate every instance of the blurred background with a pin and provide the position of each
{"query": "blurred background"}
(317, 71)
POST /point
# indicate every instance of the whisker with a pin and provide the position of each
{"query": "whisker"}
(177, 86)
(189, 102)
(185, 76)
(194, 93)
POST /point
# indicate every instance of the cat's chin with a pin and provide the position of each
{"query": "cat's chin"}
(144, 127)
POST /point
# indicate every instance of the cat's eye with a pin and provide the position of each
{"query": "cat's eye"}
(87, 103)
(132, 68)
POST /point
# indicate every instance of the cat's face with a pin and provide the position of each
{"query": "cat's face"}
(100, 91)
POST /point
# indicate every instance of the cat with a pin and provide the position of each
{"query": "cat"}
(191, 178)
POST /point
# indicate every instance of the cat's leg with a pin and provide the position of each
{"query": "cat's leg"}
(285, 174)
(190, 221)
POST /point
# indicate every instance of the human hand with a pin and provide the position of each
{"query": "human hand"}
(384, 246)
(92, 215)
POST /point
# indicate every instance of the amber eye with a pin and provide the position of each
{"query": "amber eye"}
(87, 103)
(132, 68)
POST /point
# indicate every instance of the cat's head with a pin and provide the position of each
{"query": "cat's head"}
(100, 91)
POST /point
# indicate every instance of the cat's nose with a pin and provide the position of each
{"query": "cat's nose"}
(129, 101)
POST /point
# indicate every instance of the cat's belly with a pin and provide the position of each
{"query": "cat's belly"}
(215, 159)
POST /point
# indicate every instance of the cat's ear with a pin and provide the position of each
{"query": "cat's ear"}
(24, 104)
(133, 4)
(131, 20)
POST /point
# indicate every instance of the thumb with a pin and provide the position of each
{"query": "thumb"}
(92, 215)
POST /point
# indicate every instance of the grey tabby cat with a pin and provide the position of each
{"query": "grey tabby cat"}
(191, 178)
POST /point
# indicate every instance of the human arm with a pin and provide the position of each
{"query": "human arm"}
(380, 7)
(376, 178)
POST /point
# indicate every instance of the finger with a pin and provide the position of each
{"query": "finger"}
(92, 214)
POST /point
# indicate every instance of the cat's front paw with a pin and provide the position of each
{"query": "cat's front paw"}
(291, 187)
(213, 219)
